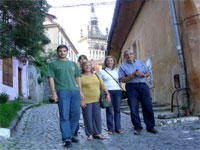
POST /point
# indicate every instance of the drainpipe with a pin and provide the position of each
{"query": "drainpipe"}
(27, 79)
(180, 51)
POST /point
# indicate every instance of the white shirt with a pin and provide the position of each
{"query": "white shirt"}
(108, 80)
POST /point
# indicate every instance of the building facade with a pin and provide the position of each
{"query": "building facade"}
(94, 43)
(14, 78)
(57, 36)
(147, 27)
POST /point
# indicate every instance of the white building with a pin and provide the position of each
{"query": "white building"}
(14, 78)
(94, 43)
(57, 36)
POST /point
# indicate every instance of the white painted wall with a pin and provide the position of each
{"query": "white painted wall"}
(13, 91)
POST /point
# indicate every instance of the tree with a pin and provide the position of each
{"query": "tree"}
(21, 27)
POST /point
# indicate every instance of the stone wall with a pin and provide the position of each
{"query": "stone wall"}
(38, 92)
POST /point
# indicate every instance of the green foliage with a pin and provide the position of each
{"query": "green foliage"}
(40, 80)
(22, 27)
(3, 98)
(41, 63)
(19, 98)
(8, 112)
(184, 107)
(29, 97)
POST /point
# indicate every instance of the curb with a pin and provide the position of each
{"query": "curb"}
(161, 122)
(169, 119)
(12, 128)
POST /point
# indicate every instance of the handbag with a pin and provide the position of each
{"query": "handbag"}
(124, 93)
(102, 100)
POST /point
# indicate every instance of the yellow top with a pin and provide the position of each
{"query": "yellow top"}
(90, 88)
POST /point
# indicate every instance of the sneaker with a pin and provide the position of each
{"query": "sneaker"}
(74, 140)
(137, 132)
(68, 144)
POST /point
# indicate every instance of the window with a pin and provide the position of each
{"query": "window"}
(134, 46)
(177, 81)
(96, 46)
(102, 47)
(8, 72)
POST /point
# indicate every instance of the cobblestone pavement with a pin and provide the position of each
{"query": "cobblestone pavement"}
(39, 130)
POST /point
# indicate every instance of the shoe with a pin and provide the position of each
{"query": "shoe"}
(137, 132)
(76, 134)
(154, 131)
(110, 132)
(98, 136)
(74, 140)
(119, 131)
(68, 144)
(90, 137)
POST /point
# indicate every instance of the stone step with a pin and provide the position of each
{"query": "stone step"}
(160, 115)
(168, 114)
(125, 103)
(156, 109)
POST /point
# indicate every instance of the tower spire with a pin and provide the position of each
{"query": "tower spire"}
(92, 8)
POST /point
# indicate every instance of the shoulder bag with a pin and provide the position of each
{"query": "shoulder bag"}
(124, 93)
(102, 100)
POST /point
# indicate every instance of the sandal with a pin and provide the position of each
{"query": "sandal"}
(98, 136)
(90, 137)
(119, 131)
(110, 132)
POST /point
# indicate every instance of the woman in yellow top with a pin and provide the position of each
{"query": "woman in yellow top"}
(90, 104)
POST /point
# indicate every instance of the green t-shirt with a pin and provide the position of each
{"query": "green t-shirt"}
(64, 74)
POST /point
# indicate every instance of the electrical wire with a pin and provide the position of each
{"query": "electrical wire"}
(95, 4)
(89, 4)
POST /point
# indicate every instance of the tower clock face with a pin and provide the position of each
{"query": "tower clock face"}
(96, 46)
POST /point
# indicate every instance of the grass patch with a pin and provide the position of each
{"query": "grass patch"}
(8, 112)
(46, 102)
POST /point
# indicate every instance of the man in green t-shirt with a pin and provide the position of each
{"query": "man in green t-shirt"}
(65, 85)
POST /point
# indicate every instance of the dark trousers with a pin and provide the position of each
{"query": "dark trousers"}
(113, 112)
(92, 119)
(140, 93)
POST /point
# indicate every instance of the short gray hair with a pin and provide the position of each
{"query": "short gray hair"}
(105, 65)
(127, 50)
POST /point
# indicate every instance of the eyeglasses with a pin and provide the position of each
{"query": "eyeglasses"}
(127, 54)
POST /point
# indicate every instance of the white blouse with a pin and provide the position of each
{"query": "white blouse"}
(108, 80)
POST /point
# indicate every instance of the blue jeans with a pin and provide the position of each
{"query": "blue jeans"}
(115, 96)
(140, 93)
(69, 111)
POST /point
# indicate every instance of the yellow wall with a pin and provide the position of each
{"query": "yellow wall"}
(190, 31)
(154, 36)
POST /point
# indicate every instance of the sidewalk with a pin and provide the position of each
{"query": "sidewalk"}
(39, 129)
(6, 133)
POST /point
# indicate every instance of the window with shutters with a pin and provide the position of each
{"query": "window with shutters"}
(8, 72)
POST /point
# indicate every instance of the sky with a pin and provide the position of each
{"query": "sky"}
(73, 19)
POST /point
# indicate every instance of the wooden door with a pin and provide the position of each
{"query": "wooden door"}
(20, 81)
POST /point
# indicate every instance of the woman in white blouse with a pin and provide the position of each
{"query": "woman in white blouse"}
(109, 74)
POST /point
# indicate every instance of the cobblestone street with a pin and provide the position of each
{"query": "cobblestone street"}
(39, 130)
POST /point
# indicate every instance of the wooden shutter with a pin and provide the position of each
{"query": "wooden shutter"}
(8, 72)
